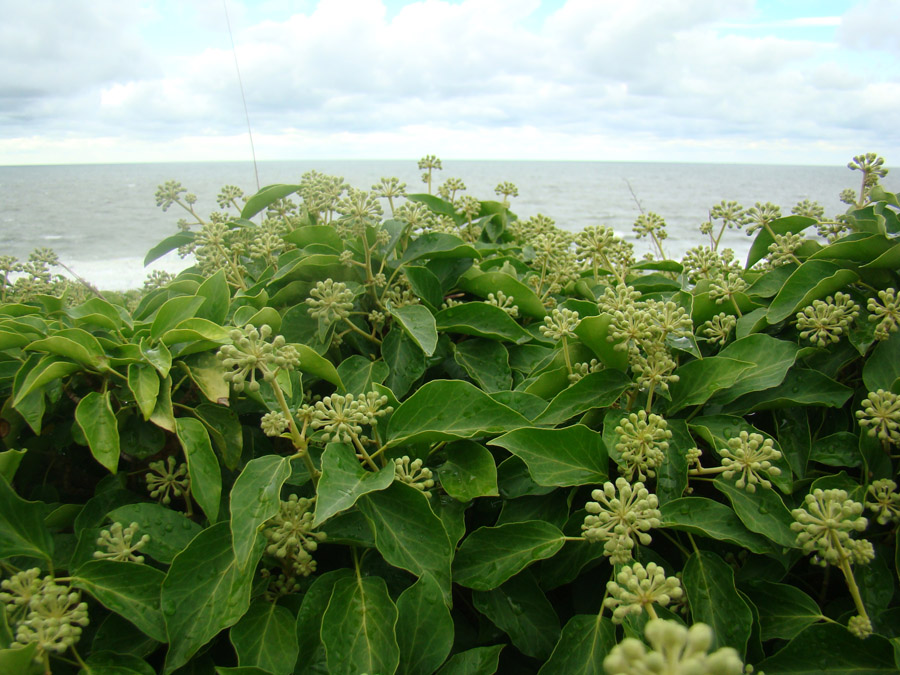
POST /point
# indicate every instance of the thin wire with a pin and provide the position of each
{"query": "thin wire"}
(243, 98)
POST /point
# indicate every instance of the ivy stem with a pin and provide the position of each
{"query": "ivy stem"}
(651, 612)
(565, 349)
(362, 451)
(357, 329)
(297, 439)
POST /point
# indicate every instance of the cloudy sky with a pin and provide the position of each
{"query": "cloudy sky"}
(780, 81)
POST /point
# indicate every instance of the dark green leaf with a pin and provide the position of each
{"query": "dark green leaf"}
(801, 387)
(168, 244)
(477, 661)
(481, 320)
(144, 385)
(709, 518)
(491, 555)
(343, 481)
(405, 359)
(486, 362)
(762, 512)
(595, 390)
(309, 621)
(784, 610)
(830, 649)
(484, 283)
(883, 366)
(593, 331)
(709, 583)
(225, 431)
(426, 416)
(424, 628)
(469, 471)
(425, 285)
(203, 467)
(203, 593)
(255, 497)
(584, 643)
(437, 246)
(18, 660)
(572, 455)
(129, 589)
(520, 609)
(266, 637)
(418, 322)
(701, 378)
(172, 312)
(97, 421)
(22, 529)
(266, 197)
(814, 279)
(760, 247)
(771, 359)
(358, 373)
(408, 534)
(358, 628)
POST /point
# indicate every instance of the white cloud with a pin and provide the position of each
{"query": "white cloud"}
(477, 77)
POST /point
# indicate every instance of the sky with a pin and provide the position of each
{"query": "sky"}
(737, 81)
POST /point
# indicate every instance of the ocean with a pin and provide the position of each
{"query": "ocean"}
(102, 219)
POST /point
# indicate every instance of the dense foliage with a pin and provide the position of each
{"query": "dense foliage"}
(451, 440)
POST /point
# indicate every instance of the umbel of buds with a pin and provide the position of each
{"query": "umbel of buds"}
(749, 456)
(250, 352)
(675, 650)
(620, 516)
(637, 588)
(291, 538)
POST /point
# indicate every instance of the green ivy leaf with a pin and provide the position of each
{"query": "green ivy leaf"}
(309, 621)
(481, 320)
(763, 512)
(700, 379)
(521, 610)
(255, 497)
(424, 627)
(595, 390)
(344, 481)
(830, 649)
(203, 467)
(405, 359)
(426, 417)
(574, 455)
(266, 638)
(709, 583)
(709, 518)
(486, 362)
(882, 368)
(585, 642)
(97, 421)
(491, 555)
(477, 661)
(22, 529)
(144, 385)
(358, 628)
(418, 322)
(469, 471)
(408, 534)
(129, 589)
(814, 279)
(357, 373)
(484, 283)
(784, 610)
(771, 359)
(204, 592)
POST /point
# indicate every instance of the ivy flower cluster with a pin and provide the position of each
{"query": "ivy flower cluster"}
(824, 525)
(342, 416)
(620, 517)
(824, 322)
(330, 301)
(119, 543)
(167, 479)
(885, 311)
(642, 446)
(291, 538)
(42, 611)
(880, 415)
(637, 588)
(414, 474)
(674, 650)
(251, 352)
(885, 502)
(749, 456)
(719, 328)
